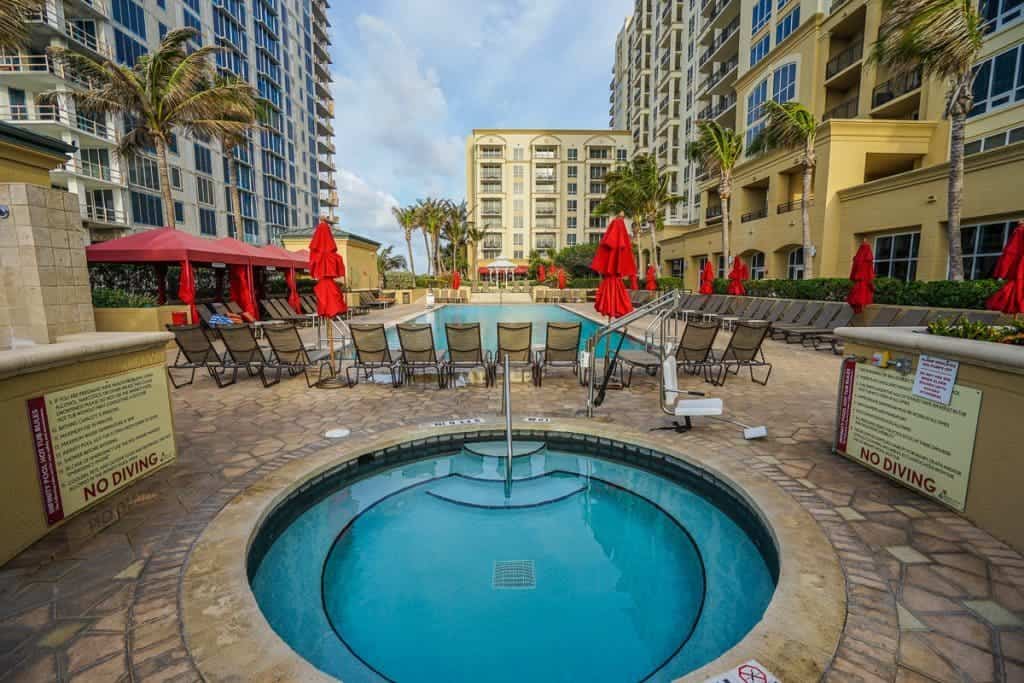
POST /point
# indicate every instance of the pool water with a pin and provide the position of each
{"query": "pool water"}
(588, 570)
(490, 315)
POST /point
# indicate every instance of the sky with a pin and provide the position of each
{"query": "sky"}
(412, 78)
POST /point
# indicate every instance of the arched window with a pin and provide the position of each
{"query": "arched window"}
(758, 270)
(795, 267)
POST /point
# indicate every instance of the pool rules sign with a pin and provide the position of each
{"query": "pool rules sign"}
(95, 438)
(888, 424)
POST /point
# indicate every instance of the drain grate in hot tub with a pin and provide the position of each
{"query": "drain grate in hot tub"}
(514, 575)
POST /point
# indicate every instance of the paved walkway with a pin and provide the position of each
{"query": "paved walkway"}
(931, 597)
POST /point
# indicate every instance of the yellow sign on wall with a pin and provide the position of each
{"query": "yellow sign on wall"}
(95, 438)
(924, 444)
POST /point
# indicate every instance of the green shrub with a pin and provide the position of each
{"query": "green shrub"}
(576, 260)
(399, 279)
(428, 281)
(1010, 333)
(103, 297)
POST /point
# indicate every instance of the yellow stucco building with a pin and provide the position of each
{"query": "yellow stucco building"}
(882, 152)
(359, 254)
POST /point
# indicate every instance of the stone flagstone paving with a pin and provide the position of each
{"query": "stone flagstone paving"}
(931, 597)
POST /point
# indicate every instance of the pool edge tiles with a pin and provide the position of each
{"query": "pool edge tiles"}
(226, 631)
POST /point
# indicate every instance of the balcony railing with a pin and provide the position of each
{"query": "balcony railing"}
(491, 211)
(490, 187)
(102, 214)
(47, 14)
(545, 211)
(544, 154)
(721, 72)
(491, 154)
(720, 40)
(545, 178)
(713, 214)
(714, 111)
(793, 205)
(844, 59)
(845, 110)
(41, 64)
(754, 215)
(897, 86)
(51, 113)
(836, 4)
(93, 170)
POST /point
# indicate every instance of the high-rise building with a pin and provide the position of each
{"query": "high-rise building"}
(537, 189)
(286, 171)
(882, 150)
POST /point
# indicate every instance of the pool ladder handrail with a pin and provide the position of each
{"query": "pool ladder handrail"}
(667, 302)
(507, 395)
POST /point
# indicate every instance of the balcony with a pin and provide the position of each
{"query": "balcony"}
(104, 216)
(545, 178)
(490, 188)
(845, 110)
(492, 153)
(712, 112)
(836, 4)
(545, 210)
(37, 72)
(793, 205)
(717, 78)
(545, 154)
(47, 16)
(895, 88)
(491, 211)
(754, 215)
(544, 223)
(329, 198)
(730, 31)
(88, 169)
(844, 59)
(47, 116)
(713, 214)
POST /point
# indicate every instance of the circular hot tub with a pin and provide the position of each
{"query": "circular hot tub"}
(595, 561)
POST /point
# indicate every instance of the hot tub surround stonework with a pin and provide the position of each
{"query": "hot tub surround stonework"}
(929, 597)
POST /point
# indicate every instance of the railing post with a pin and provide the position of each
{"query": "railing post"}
(508, 430)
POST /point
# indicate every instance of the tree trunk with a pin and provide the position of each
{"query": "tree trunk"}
(654, 246)
(426, 244)
(165, 183)
(408, 244)
(805, 220)
(955, 193)
(725, 192)
(236, 196)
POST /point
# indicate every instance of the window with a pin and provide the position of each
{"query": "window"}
(176, 178)
(517, 172)
(620, 155)
(677, 267)
(147, 209)
(999, 81)
(570, 205)
(1006, 137)
(517, 205)
(787, 25)
(1000, 13)
(757, 266)
(600, 153)
(207, 222)
(517, 222)
(760, 50)
(784, 83)
(204, 190)
(179, 212)
(131, 16)
(204, 161)
(517, 154)
(598, 188)
(192, 21)
(572, 171)
(762, 14)
(982, 245)
(896, 256)
(570, 222)
(517, 239)
(492, 207)
(755, 110)
(517, 188)
(570, 188)
(573, 154)
(127, 50)
(570, 239)
(517, 254)
(143, 171)
(795, 264)
(161, 29)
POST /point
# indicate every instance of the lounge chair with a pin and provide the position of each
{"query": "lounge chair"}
(885, 316)
(195, 351)
(743, 351)
(718, 304)
(821, 323)
(561, 349)
(691, 353)
(740, 308)
(828, 338)
(244, 352)
(308, 304)
(806, 315)
(913, 317)
(367, 300)
(695, 305)
(516, 341)
(372, 353)
(465, 350)
(787, 313)
(289, 353)
(205, 313)
(762, 309)
(418, 352)
(276, 311)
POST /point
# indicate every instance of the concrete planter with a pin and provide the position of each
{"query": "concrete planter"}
(152, 319)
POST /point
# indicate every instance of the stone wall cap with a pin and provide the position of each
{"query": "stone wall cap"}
(1005, 357)
(76, 348)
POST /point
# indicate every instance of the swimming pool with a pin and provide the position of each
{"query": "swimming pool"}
(412, 565)
(490, 315)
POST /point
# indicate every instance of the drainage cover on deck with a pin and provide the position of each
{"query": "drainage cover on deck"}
(514, 575)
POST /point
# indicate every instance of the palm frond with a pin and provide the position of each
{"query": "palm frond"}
(716, 147)
(13, 29)
(942, 37)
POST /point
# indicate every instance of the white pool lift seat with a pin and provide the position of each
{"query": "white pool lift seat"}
(674, 404)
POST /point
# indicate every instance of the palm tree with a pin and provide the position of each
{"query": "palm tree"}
(791, 124)
(168, 89)
(474, 236)
(388, 261)
(942, 38)
(431, 217)
(718, 149)
(455, 225)
(13, 28)
(406, 217)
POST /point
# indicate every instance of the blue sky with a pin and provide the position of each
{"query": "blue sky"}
(412, 78)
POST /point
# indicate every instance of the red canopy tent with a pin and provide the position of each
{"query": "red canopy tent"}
(1010, 267)
(162, 246)
(614, 261)
(737, 275)
(862, 274)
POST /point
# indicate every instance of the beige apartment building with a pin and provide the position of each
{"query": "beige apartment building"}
(882, 150)
(537, 189)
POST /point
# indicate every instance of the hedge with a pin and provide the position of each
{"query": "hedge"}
(102, 297)
(399, 279)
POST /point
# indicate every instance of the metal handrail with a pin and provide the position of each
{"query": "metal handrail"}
(508, 429)
(669, 300)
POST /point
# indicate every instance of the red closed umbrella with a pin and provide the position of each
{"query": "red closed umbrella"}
(1010, 267)
(240, 288)
(456, 280)
(561, 279)
(707, 279)
(187, 289)
(293, 291)
(614, 261)
(862, 275)
(542, 273)
(325, 264)
(737, 275)
(651, 279)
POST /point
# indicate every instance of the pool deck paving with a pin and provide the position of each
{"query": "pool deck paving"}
(930, 597)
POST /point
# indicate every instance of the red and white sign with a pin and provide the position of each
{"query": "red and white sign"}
(751, 672)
